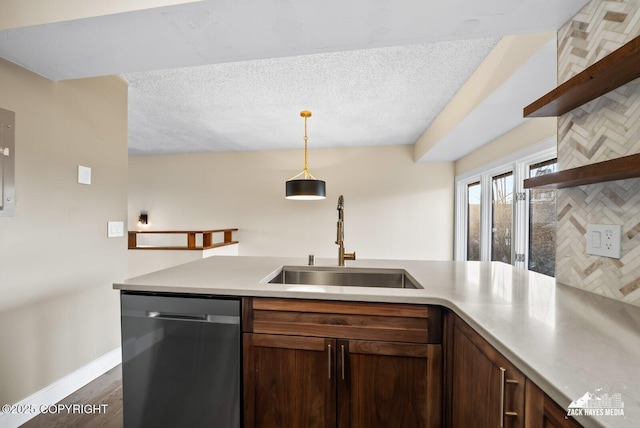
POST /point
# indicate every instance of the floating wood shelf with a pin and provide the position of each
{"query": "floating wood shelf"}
(615, 169)
(619, 67)
(207, 239)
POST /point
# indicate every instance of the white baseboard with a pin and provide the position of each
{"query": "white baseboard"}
(60, 389)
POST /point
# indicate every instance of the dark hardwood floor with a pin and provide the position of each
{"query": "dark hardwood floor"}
(107, 389)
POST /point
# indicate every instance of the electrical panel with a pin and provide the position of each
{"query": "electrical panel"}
(7, 163)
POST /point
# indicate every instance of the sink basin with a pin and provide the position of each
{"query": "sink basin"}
(351, 277)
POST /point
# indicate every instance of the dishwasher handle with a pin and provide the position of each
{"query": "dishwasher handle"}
(214, 319)
(172, 316)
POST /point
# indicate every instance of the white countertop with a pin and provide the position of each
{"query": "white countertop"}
(568, 341)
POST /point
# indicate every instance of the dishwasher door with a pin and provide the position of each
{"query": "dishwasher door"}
(180, 361)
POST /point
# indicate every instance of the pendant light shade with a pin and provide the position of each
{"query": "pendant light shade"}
(306, 189)
(305, 186)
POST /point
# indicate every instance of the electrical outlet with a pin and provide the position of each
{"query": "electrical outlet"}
(604, 240)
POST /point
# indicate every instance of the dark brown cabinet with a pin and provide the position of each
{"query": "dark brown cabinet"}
(387, 384)
(487, 391)
(351, 364)
(293, 381)
(318, 364)
(484, 390)
(542, 412)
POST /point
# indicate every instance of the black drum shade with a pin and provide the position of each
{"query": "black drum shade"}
(305, 189)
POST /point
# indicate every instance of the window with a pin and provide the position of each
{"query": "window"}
(542, 222)
(501, 217)
(498, 220)
(473, 221)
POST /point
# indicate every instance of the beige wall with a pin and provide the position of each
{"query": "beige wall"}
(527, 134)
(141, 262)
(394, 208)
(57, 308)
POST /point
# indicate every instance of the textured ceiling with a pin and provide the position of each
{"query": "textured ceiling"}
(382, 96)
(502, 110)
(237, 72)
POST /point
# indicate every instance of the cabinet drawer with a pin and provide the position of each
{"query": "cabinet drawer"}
(348, 320)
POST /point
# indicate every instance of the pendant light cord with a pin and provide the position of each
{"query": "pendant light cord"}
(305, 172)
(306, 162)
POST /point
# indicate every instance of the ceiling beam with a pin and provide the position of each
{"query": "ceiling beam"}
(509, 55)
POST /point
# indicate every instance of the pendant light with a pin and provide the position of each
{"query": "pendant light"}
(307, 187)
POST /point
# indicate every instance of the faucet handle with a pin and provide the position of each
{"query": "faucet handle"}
(350, 256)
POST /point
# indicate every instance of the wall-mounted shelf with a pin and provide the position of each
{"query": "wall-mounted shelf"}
(614, 169)
(619, 67)
(207, 239)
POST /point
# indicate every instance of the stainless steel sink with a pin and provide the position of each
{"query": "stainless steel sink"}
(340, 276)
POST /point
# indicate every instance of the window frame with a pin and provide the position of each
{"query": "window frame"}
(518, 163)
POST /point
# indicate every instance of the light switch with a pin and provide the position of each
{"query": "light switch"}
(115, 229)
(84, 174)
(596, 239)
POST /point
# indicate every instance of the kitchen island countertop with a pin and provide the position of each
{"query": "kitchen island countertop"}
(568, 341)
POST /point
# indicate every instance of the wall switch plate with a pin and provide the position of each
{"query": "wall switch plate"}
(84, 174)
(604, 240)
(115, 229)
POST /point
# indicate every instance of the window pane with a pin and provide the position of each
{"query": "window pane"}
(542, 222)
(502, 217)
(473, 221)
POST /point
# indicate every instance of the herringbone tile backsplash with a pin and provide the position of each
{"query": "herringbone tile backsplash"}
(605, 128)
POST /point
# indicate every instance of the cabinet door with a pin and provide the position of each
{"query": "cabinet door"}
(386, 384)
(543, 412)
(289, 381)
(487, 391)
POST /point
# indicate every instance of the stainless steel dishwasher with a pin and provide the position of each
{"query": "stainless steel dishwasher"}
(180, 361)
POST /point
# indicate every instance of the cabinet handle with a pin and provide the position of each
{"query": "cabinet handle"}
(503, 382)
(329, 359)
(342, 354)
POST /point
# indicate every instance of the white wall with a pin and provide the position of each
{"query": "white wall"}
(394, 208)
(58, 311)
(23, 13)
